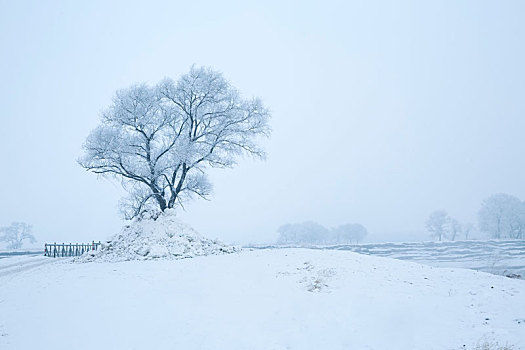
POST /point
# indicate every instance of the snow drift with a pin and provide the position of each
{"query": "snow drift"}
(158, 236)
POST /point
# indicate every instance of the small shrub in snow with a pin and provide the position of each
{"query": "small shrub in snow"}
(317, 285)
(511, 275)
(156, 236)
(493, 346)
(315, 279)
(489, 345)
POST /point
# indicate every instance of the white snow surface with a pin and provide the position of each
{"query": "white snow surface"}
(501, 257)
(162, 237)
(259, 299)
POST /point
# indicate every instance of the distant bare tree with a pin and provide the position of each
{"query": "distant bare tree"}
(350, 233)
(159, 140)
(308, 232)
(467, 229)
(437, 223)
(502, 216)
(453, 228)
(16, 234)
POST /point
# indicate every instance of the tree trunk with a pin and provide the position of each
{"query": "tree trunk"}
(175, 193)
(160, 199)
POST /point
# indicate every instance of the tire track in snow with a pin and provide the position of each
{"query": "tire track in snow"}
(24, 265)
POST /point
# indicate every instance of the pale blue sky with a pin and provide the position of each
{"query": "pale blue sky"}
(382, 111)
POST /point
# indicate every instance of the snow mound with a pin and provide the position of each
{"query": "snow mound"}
(159, 237)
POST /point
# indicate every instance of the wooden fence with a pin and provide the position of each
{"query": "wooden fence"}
(64, 250)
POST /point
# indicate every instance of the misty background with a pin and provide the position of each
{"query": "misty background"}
(382, 112)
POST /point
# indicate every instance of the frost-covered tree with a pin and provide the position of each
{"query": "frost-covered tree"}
(453, 229)
(467, 230)
(442, 226)
(502, 216)
(308, 232)
(159, 140)
(349, 233)
(437, 223)
(16, 234)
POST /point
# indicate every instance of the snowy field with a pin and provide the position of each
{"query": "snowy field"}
(493, 256)
(256, 299)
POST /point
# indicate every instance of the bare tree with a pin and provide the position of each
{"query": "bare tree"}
(453, 228)
(502, 216)
(16, 234)
(467, 229)
(349, 233)
(310, 232)
(159, 140)
(437, 223)
(307, 232)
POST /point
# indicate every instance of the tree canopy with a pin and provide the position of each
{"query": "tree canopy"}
(159, 140)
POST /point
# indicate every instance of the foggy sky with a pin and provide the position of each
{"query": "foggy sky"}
(381, 111)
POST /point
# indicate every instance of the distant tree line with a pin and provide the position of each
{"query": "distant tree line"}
(310, 232)
(500, 216)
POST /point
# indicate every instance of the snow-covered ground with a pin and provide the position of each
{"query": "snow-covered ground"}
(19, 263)
(259, 299)
(495, 256)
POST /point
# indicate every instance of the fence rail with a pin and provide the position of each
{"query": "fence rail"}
(62, 250)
